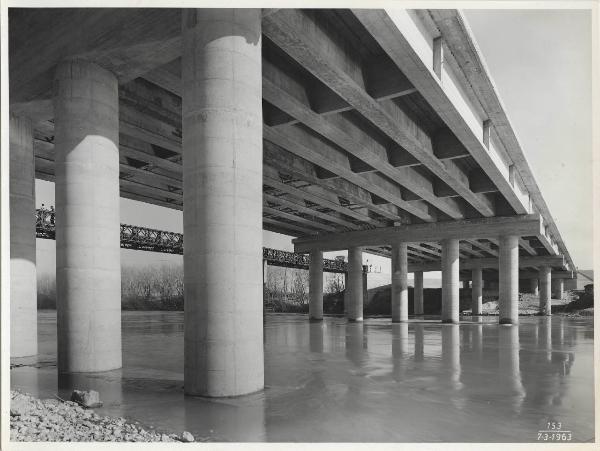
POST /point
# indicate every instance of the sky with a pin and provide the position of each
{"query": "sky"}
(540, 61)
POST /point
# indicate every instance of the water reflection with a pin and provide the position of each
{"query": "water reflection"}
(356, 343)
(340, 381)
(400, 350)
(451, 355)
(509, 368)
(419, 342)
(316, 332)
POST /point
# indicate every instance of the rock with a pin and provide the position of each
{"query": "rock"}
(87, 399)
(187, 437)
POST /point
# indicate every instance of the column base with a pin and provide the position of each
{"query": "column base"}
(194, 395)
(315, 320)
(508, 321)
(399, 321)
(355, 320)
(449, 321)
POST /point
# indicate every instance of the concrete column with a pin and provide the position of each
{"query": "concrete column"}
(222, 216)
(315, 285)
(545, 281)
(399, 282)
(365, 286)
(418, 293)
(534, 286)
(88, 255)
(354, 289)
(23, 283)
(508, 262)
(346, 301)
(557, 288)
(476, 291)
(450, 279)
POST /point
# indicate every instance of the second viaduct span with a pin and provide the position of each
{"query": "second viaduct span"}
(365, 130)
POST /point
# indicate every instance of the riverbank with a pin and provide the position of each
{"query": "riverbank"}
(32, 419)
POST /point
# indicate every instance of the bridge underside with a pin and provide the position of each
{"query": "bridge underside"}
(363, 130)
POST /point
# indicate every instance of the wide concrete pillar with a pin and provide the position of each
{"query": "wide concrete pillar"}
(418, 293)
(399, 282)
(315, 286)
(354, 288)
(557, 288)
(222, 215)
(534, 286)
(476, 291)
(450, 279)
(23, 293)
(88, 255)
(508, 261)
(545, 277)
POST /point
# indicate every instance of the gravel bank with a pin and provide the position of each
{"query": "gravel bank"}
(32, 419)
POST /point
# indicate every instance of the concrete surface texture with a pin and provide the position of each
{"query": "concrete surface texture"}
(545, 279)
(354, 285)
(509, 279)
(23, 284)
(476, 291)
(418, 293)
(88, 268)
(315, 286)
(399, 282)
(450, 293)
(222, 218)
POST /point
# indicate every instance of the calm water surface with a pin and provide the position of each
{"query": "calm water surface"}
(346, 382)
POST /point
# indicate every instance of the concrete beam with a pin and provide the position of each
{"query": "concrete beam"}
(523, 274)
(350, 137)
(126, 41)
(317, 151)
(404, 42)
(288, 163)
(523, 225)
(493, 263)
(300, 35)
(455, 30)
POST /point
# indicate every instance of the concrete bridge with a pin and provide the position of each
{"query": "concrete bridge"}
(365, 130)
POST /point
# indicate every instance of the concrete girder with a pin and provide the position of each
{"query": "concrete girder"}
(143, 37)
(288, 163)
(397, 34)
(318, 152)
(493, 263)
(289, 30)
(524, 225)
(352, 139)
(452, 25)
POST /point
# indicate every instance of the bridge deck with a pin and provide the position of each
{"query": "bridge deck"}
(371, 118)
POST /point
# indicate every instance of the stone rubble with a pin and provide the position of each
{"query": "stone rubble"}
(32, 419)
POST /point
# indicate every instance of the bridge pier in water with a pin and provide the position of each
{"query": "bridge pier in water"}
(88, 255)
(354, 285)
(418, 293)
(450, 279)
(509, 279)
(23, 295)
(222, 213)
(315, 286)
(545, 277)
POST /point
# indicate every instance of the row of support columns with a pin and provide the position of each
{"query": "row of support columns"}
(508, 284)
(222, 179)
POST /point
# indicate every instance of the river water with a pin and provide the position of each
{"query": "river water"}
(354, 382)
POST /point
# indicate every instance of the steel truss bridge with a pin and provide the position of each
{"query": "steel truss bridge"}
(153, 240)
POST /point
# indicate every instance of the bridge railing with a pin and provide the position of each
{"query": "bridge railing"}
(153, 240)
